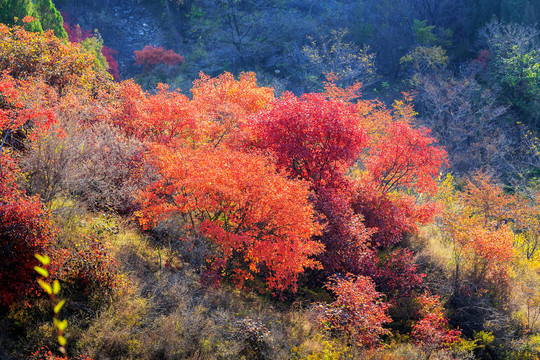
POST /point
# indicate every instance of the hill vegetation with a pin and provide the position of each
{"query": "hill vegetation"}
(394, 219)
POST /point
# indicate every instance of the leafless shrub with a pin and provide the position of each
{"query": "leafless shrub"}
(345, 60)
(465, 118)
(503, 38)
(111, 172)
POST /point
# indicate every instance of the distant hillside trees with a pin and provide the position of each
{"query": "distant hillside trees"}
(514, 64)
(348, 62)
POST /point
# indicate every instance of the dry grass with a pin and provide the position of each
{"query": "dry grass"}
(165, 313)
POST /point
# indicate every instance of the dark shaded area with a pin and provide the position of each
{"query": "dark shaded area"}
(268, 36)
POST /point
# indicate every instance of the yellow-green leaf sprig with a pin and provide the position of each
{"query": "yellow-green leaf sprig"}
(53, 290)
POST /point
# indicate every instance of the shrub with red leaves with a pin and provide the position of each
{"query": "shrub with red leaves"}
(76, 34)
(313, 137)
(432, 331)
(45, 354)
(151, 55)
(391, 214)
(396, 274)
(113, 64)
(358, 311)
(25, 230)
(345, 236)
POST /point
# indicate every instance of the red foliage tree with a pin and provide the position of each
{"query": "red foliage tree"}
(358, 311)
(405, 157)
(151, 55)
(345, 235)
(396, 274)
(313, 137)
(400, 160)
(318, 137)
(261, 222)
(167, 117)
(432, 331)
(389, 215)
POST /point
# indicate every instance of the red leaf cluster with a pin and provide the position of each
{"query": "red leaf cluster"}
(432, 331)
(389, 215)
(345, 236)
(405, 157)
(313, 137)
(358, 311)
(151, 55)
(25, 230)
(396, 274)
(45, 354)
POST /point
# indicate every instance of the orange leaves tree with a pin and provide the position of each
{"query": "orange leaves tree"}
(25, 54)
(487, 248)
(213, 117)
(167, 117)
(476, 230)
(475, 224)
(260, 222)
(224, 105)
